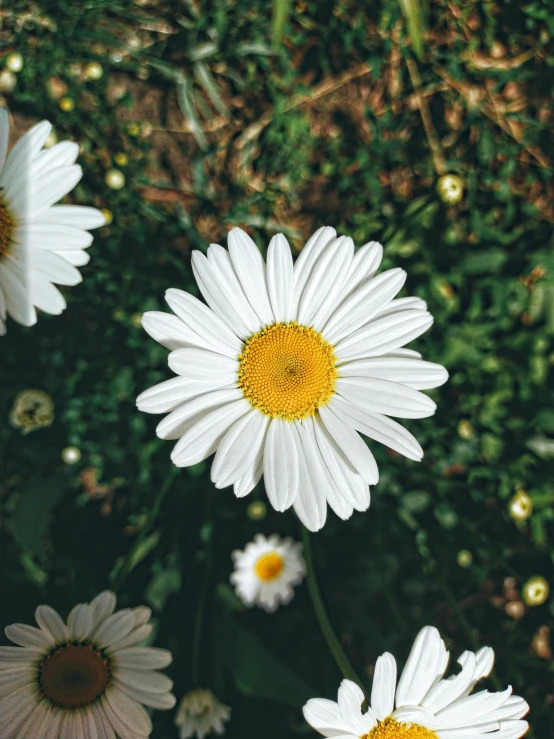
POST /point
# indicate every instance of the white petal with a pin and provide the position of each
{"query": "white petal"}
(53, 237)
(447, 691)
(55, 268)
(4, 135)
(251, 477)
(310, 504)
(280, 279)
(102, 606)
(203, 437)
(382, 396)
(199, 364)
(59, 155)
(12, 656)
(471, 710)
(24, 151)
(365, 264)
(29, 636)
(216, 280)
(309, 255)
(364, 304)
(325, 282)
(400, 304)
(427, 661)
(352, 445)
(325, 717)
(251, 271)
(281, 464)
(150, 681)
(179, 421)
(77, 258)
(239, 448)
(171, 332)
(50, 620)
(378, 427)
(384, 686)
(411, 372)
(162, 701)
(128, 718)
(383, 335)
(169, 395)
(204, 322)
(352, 486)
(15, 286)
(46, 296)
(78, 216)
(142, 658)
(114, 628)
(350, 701)
(80, 621)
(414, 715)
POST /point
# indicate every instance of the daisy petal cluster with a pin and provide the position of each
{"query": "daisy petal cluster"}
(286, 365)
(200, 713)
(41, 244)
(267, 571)
(423, 704)
(87, 678)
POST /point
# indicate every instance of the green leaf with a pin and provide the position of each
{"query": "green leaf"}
(415, 21)
(255, 670)
(31, 515)
(490, 260)
(281, 12)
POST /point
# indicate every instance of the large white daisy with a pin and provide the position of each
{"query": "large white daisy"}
(286, 365)
(87, 679)
(267, 571)
(423, 704)
(40, 243)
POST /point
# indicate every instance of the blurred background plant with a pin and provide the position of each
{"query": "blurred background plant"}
(432, 136)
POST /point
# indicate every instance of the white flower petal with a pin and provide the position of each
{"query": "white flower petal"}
(80, 621)
(199, 364)
(4, 135)
(170, 394)
(179, 421)
(281, 464)
(171, 332)
(149, 681)
(312, 250)
(239, 448)
(414, 715)
(251, 271)
(364, 304)
(24, 151)
(378, 427)
(113, 628)
(350, 699)
(383, 335)
(77, 216)
(280, 279)
(427, 661)
(203, 438)
(102, 606)
(53, 236)
(14, 285)
(352, 445)
(204, 322)
(55, 268)
(45, 295)
(243, 486)
(471, 710)
(411, 372)
(29, 636)
(325, 717)
(384, 686)
(382, 396)
(142, 658)
(447, 691)
(128, 718)
(310, 503)
(51, 621)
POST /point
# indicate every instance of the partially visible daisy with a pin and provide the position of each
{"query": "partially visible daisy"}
(41, 244)
(286, 365)
(422, 704)
(267, 571)
(87, 679)
(200, 714)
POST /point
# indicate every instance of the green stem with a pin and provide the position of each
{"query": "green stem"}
(199, 617)
(128, 562)
(329, 635)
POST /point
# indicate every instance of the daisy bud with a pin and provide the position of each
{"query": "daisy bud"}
(256, 510)
(200, 713)
(450, 188)
(71, 455)
(121, 159)
(465, 558)
(520, 506)
(14, 62)
(32, 409)
(536, 591)
(66, 104)
(94, 71)
(515, 609)
(115, 179)
(8, 81)
(466, 430)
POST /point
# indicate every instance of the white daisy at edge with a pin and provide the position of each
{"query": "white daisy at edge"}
(423, 704)
(87, 679)
(40, 243)
(286, 364)
(267, 571)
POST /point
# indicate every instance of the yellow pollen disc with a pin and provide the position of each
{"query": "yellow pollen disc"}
(6, 229)
(392, 729)
(74, 675)
(269, 566)
(287, 371)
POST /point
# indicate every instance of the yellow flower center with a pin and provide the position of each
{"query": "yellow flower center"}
(392, 729)
(269, 566)
(287, 371)
(6, 229)
(74, 675)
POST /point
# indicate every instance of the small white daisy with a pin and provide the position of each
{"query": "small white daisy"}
(40, 243)
(267, 571)
(423, 704)
(87, 679)
(285, 367)
(200, 714)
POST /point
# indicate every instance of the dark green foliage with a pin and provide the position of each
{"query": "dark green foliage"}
(357, 158)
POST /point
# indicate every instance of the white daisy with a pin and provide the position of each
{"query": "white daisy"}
(267, 571)
(200, 714)
(40, 243)
(423, 704)
(86, 679)
(286, 365)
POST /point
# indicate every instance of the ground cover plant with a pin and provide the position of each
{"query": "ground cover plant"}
(424, 128)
